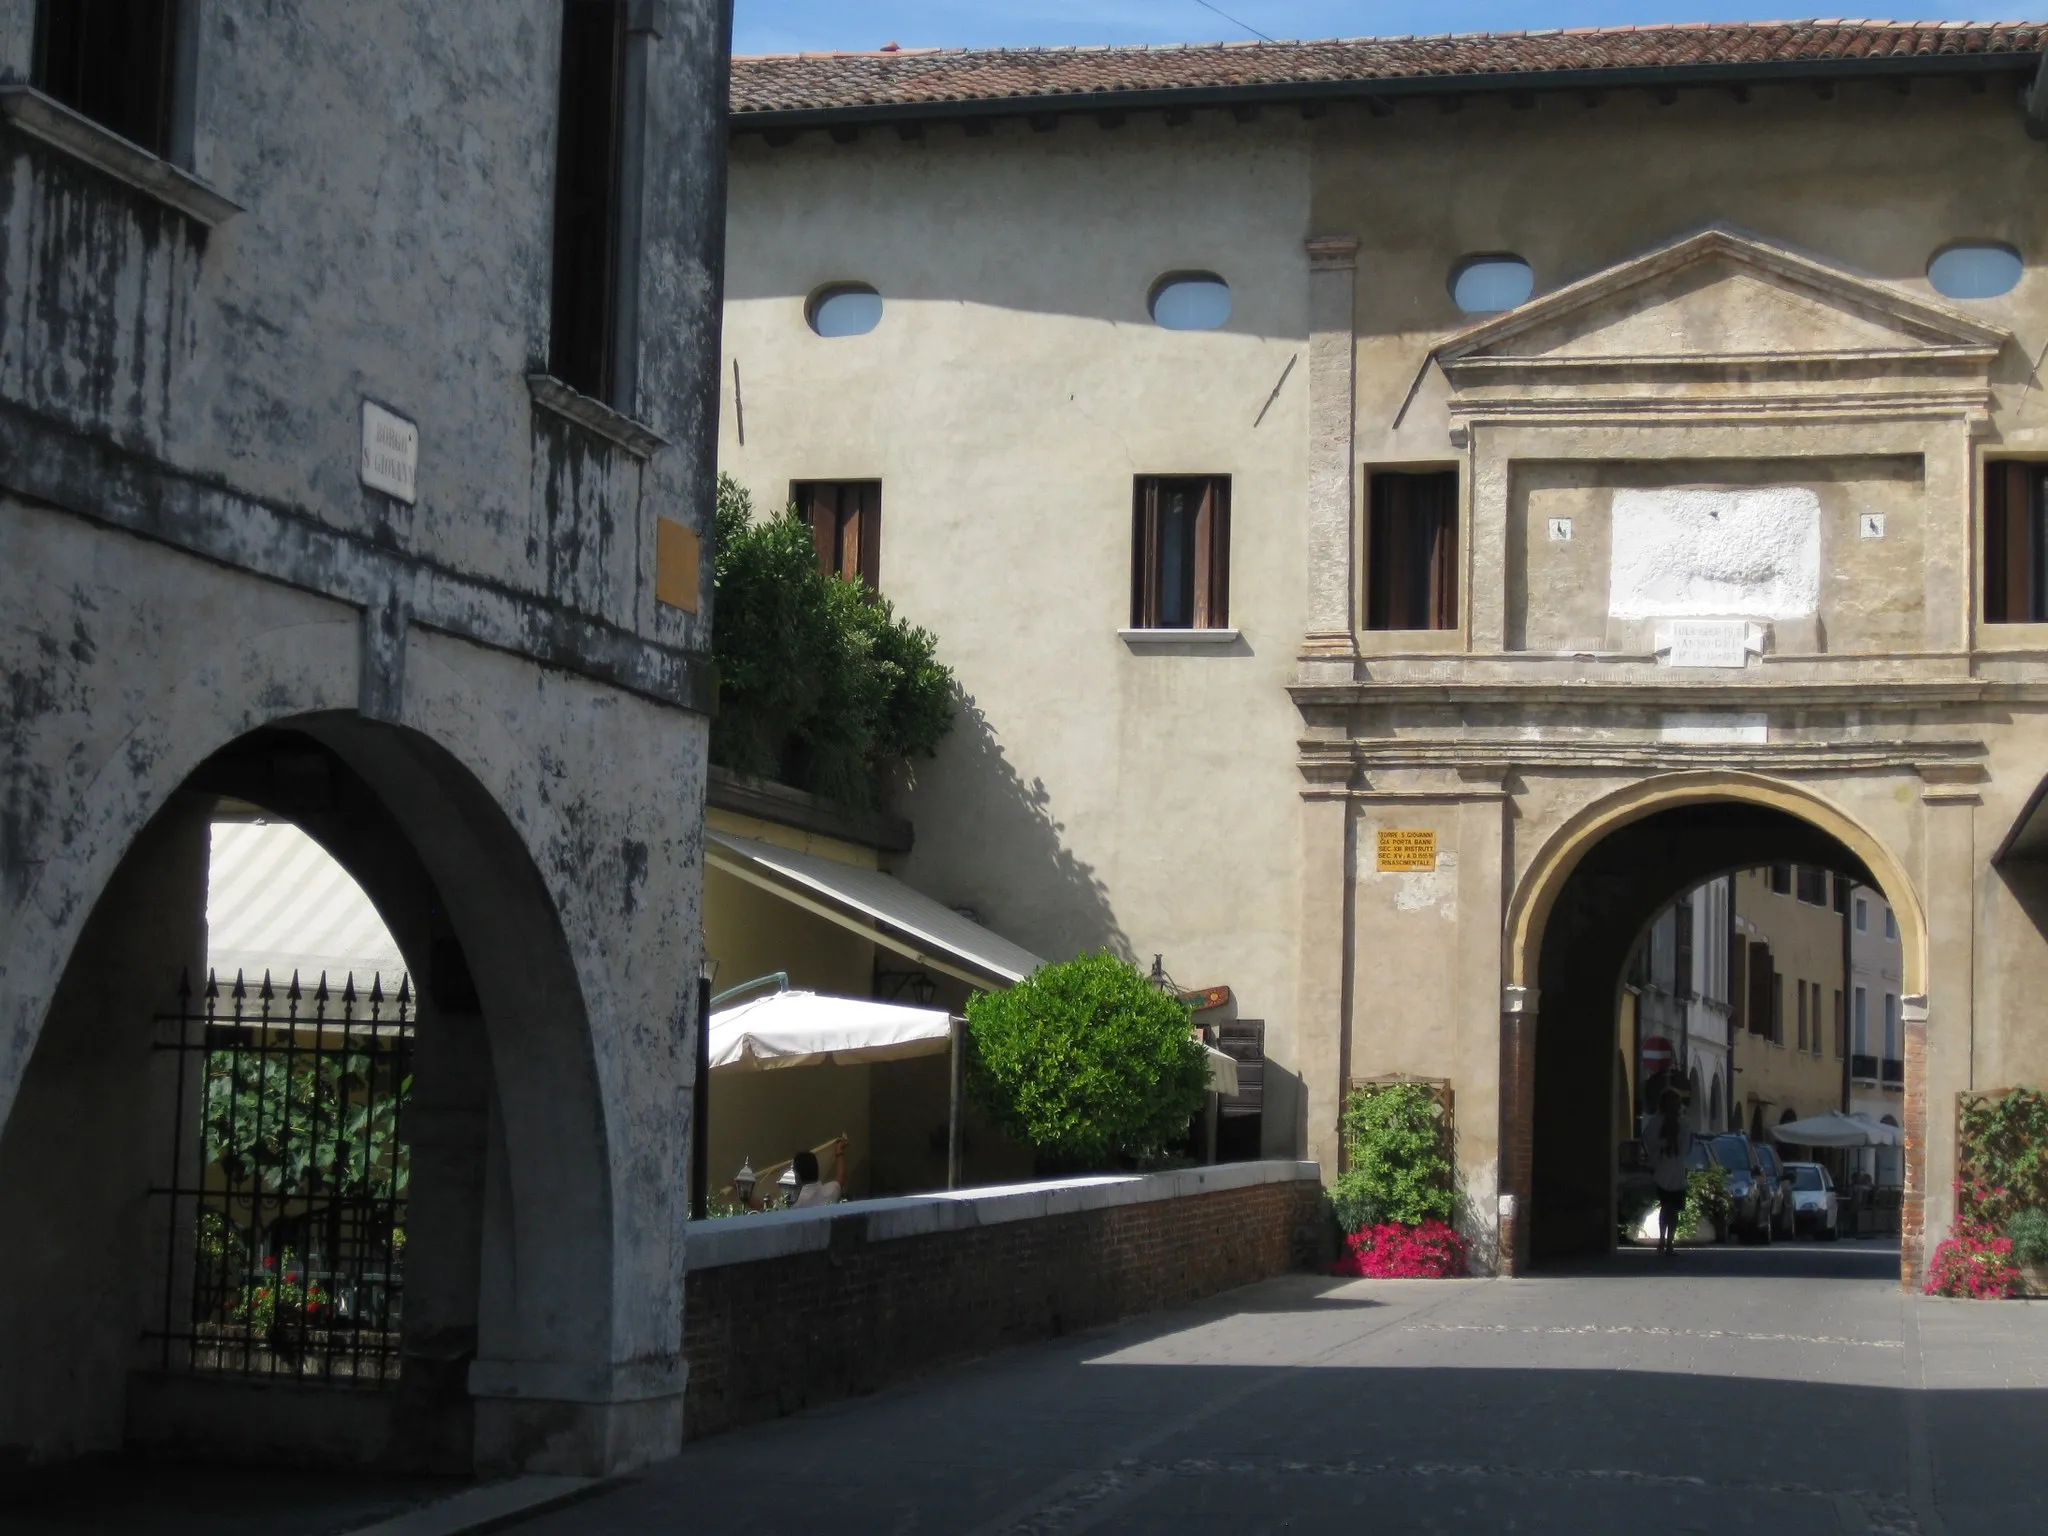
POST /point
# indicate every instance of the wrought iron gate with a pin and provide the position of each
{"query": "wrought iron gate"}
(285, 1190)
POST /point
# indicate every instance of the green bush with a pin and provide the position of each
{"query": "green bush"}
(819, 683)
(1706, 1195)
(2004, 1155)
(2029, 1233)
(1398, 1157)
(1088, 1062)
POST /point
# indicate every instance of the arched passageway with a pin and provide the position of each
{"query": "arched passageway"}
(1573, 926)
(507, 1223)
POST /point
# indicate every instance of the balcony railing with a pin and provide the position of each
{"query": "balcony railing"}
(1863, 1068)
(1894, 1072)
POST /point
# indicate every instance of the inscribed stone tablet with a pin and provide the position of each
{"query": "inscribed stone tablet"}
(1403, 852)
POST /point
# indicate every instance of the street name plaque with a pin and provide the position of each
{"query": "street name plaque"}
(391, 452)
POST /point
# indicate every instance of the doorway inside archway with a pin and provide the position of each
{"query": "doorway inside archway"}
(1706, 950)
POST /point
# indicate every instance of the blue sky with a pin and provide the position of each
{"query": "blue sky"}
(777, 26)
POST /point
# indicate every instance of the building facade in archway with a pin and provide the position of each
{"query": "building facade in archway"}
(355, 424)
(1388, 500)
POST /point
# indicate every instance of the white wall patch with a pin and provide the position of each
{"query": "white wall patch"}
(1871, 525)
(1693, 553)
(1561, 530)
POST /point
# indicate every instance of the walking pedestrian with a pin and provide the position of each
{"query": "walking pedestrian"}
(1669, 1143)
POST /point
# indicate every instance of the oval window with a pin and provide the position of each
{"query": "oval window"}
(1486, 285)
(845, 309)
(1976, 269)
(1190, 301)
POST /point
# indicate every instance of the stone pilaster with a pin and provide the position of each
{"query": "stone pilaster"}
(1517, 1124)
(1332, 369)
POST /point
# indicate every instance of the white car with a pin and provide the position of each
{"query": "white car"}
(1814, 1206)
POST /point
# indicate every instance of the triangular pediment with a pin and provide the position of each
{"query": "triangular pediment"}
(1721, 296)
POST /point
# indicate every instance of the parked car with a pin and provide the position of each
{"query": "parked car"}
(1750, 1193)
(1780, 1181)
(1815, 1206)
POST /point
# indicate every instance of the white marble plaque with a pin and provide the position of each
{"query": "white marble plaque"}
(1705, 730)
(1871, 524)
(1694, 552)
(1708, 643)
(391, 452)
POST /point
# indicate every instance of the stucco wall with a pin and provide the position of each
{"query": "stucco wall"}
(187, 556)
(1092, 792)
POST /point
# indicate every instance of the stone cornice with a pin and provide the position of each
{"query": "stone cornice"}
(48, 463)
(1942, 761)
(1865, 695)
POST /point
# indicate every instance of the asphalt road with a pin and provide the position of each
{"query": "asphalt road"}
(1786, 1390)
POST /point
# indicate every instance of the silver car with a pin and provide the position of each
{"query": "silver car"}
(1815, 1208)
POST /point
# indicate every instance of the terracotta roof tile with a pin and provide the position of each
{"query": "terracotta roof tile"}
(925, 77)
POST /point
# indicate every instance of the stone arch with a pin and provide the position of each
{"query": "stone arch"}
(1583, 899)
(1537, 891)
(558, 1337)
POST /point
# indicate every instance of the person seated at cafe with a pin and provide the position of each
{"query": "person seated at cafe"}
(810, 1189)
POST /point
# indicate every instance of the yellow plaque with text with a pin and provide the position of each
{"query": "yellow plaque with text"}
(1406, 852)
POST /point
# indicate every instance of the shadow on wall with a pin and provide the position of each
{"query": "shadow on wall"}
(987, 839)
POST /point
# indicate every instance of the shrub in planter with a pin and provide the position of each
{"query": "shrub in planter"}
(1392, 1250)
(1706, 1198)
(1400, 1170)
(1974, 1262)
(1088, 1062)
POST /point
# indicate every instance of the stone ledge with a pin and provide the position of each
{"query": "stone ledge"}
(765, 800)
(551, 394)
(79, 137)
(777, 1234)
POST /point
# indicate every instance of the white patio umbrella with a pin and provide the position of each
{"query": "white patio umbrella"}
(1835, 1129)
(811, 1029)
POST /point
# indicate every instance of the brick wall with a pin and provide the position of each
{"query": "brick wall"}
(769, 1336)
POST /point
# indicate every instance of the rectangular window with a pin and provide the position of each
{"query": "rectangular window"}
(1813, 1044)
(1860, 1024)
(1891, 1026)
(2015, 552)
(1841, 1044)
(1777, 1009)
(1760, 990)
(1801, 986)
(1180, 552)
(846, 526)
(1862, 915)
(1841, 893)
(112, 61)
(583, 335)
(1411, 558)
(1781, 879)
(1891, 924)
(1813, 886)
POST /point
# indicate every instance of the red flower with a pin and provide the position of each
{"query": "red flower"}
(1391, 1251)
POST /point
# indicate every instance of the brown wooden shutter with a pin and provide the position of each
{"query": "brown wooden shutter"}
(1738, 984)
(869, 565)
(1760, 989)
(1218, 584)
(2011, 544)
(1204, 552)
(1443, 554)
(1145, 553)
(820, 508)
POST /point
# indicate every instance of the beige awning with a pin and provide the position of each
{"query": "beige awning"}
(877, 906)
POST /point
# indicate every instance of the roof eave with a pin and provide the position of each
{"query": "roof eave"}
(1292, 92)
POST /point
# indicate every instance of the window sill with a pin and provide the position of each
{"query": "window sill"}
(31, 112)
(551, 394)
(1149, 639)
